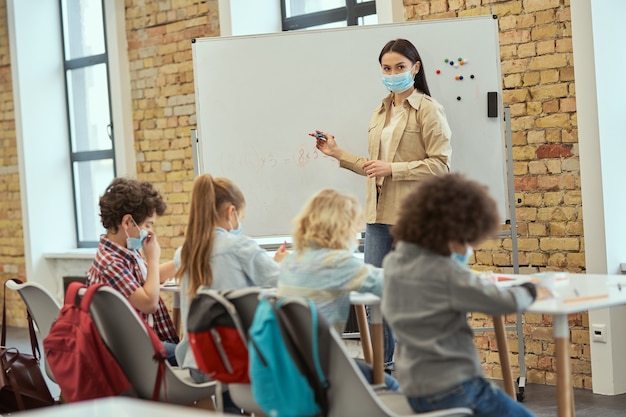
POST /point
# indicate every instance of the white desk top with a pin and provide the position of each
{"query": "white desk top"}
(580, 292)
(118, 407)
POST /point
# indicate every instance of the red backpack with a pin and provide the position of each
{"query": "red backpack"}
(81, 363)
(216, 337)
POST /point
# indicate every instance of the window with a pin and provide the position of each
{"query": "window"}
(92, 154)
(318, 14)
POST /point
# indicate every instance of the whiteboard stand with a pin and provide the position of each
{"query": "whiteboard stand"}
(521, 382)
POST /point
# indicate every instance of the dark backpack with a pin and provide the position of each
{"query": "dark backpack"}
(286, 373)
(216, 337)
(80, 361)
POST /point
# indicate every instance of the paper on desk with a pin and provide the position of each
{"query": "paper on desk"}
(550, 280)
(170, 283)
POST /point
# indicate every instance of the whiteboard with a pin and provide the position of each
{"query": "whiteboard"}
(258, 97)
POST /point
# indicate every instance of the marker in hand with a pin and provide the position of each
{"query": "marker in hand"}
(318, 136)
(284, 247)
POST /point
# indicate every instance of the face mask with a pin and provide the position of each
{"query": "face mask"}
(398, 83)
(135, 243)
(463, 259)
(239, 228)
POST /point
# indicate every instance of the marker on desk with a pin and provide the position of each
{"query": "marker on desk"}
(318, 136)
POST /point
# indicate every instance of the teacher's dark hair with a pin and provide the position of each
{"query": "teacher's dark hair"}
(407, 49)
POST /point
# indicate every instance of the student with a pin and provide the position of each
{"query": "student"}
(216, 254)
(128, 211)
(408, 141)
(429, 289)
(323, 266)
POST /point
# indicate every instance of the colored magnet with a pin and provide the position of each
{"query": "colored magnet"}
(472, 76)
(456, 77)
(446, 60)
(460, 59)
(458, 98)
(462, 62)
(438, 71)
(461, 77)
(451, 62)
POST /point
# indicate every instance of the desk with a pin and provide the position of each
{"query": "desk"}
(581, 292)
(175, 290)
(119, 407)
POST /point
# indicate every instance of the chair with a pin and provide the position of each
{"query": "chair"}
(245, 301)
(349, 394)
(43, 308)
(125, 335)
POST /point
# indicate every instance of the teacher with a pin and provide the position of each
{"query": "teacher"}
(408, 140)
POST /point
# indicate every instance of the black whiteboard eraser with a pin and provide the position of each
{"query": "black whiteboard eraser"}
(492, 104)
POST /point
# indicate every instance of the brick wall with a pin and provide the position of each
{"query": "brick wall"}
(538, 82)
(538, 86)
(159, 37)
(11, 237)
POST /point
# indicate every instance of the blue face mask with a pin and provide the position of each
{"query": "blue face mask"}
(463, 259)
(397, 83)
(135, 243)
(239, 228)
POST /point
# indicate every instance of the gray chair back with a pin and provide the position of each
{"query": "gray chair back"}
(124, 333)
(349, 394)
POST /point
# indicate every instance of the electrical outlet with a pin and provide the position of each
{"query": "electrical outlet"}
(598, 333)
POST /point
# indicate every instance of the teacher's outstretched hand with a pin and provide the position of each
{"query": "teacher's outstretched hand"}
(326, 144)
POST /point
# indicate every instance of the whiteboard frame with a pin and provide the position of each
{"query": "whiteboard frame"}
(353, 183)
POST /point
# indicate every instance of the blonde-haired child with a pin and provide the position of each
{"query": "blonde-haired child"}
(323, 267)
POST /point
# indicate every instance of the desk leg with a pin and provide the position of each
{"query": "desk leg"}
(564, 389)
(378, 348)
(176, 313)
(364, 330)
(503, 352)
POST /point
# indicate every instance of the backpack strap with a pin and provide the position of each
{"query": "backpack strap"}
(85, 301)
(34, 345)
(160, 356)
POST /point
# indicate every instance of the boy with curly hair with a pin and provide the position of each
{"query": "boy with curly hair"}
(429, 289)
(128, 210)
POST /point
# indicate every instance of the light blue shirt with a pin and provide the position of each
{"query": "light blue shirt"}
(327, 276)
(237, 261)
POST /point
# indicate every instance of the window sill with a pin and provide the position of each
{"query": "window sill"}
(87, 253)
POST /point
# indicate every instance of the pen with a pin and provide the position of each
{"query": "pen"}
(318, 135)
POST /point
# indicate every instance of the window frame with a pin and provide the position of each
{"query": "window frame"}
(350, 14)
(91, 155)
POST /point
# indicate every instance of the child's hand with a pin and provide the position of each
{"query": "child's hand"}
(281, 253)
(543, 293)
(151, 248)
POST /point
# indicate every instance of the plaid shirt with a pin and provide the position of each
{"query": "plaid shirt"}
(119, 268)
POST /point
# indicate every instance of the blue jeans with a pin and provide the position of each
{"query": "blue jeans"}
(170, 349)
(485, 400)
(378, 243)
(390, 382)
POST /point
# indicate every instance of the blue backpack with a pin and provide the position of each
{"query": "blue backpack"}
(285, 382)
